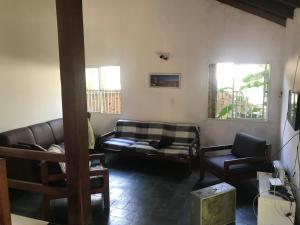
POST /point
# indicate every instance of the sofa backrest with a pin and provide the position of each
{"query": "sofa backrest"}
(181, 133)
(57, 127)
(43, 134)
(246, 145)
(13, 137)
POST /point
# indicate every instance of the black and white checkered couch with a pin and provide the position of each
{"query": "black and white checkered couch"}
(133, 137)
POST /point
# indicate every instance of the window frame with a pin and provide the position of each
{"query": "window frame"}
(120, 91)
(254, 120)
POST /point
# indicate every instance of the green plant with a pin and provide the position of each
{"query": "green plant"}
(256, 80)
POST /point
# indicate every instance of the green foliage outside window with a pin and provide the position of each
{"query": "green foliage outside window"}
(241, 107)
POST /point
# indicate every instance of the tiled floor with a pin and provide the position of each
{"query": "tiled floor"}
(142, 192)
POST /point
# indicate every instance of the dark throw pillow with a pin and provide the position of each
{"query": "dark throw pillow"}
(163, 143)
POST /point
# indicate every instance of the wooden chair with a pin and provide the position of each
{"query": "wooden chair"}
(5, 218)
(248, 155)
(52, 176)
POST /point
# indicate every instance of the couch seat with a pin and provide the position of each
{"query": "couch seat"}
(142, 146)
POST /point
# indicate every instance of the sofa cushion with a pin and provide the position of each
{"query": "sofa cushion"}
(58, 149)
(163, 143)
(43, 134)
(175, 150)
(217, 162)
(57, 127)
(183, 133)
(118, 144)
(246, 145)
(17, 136)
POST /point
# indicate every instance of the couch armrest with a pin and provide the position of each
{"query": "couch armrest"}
(100, 140)
(215, 148)
(102, 171)
(254, 159)
(106, 135)
(194, 143)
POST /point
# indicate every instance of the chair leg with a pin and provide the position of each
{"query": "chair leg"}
(202, 169)
(202, 174)
(189, 168)
(46, 206)
(105, 194)
(106, 199)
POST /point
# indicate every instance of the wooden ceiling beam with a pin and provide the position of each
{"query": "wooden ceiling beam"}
(293, 3)
(255, 11)
(273, 7)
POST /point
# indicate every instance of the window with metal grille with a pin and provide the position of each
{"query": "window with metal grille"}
(103, 89)
(238, 91)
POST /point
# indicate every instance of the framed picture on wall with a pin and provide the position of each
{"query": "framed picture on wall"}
(172, 80)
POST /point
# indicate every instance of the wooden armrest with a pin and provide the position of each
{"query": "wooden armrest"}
(253, 159)
(237, 161)
(63, 176)
(57, 177)
(102, 171)
(216, 148)
(195, 143)
(96, 156)
(111, 133)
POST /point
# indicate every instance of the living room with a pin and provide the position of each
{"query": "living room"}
(132, 36)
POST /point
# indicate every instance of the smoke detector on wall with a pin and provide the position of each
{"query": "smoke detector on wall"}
(164, 55)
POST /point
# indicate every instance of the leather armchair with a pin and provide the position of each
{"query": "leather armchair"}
(248, 155)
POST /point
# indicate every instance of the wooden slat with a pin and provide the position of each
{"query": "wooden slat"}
(36, 187)
(273, 7)
(21, 220)
(31, 154)
(255, 11)
(4, 199)
(72, 73)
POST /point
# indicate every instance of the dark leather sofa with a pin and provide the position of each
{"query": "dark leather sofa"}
(40, 137)
(36, 137)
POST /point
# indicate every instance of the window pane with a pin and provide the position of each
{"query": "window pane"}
(92, 78)
(238, 91)
(103, 89)
(110, 78)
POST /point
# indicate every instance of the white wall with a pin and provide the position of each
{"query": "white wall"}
(196, 33)
(292, 51)
(29, 75)
(128, 33)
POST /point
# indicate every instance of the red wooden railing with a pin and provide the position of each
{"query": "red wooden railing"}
(104, 101)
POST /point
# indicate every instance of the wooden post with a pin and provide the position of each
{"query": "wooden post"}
(4, 199)
(72, 72)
